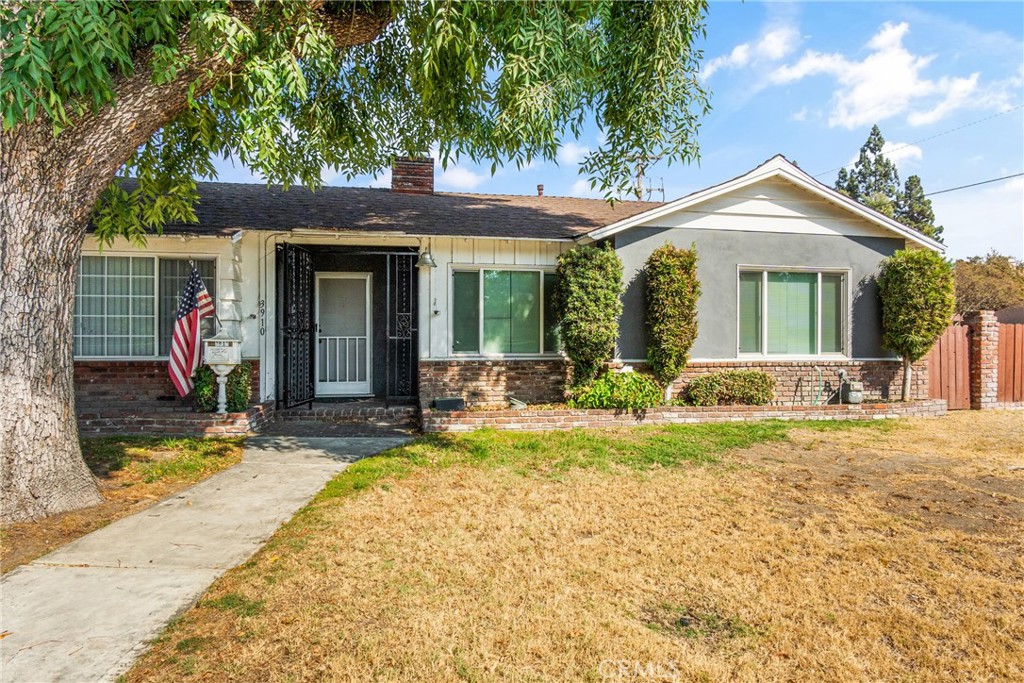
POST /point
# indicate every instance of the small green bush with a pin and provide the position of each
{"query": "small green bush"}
(671, 294)
(239, 389)
(588, 306)
(744, 387)
(619, 390)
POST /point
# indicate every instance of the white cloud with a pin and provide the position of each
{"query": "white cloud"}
(773, 45)
(897, 152)
(581, 188)
(977, 220)
(571, 153)
(458, 178)
(800, 115)
(887, 82)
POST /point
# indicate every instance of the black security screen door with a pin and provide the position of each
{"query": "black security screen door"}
(295, 334)
(401, 325)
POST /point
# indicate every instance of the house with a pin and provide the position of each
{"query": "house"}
(410, 295)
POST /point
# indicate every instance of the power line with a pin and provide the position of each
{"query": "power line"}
(932, 137)
(983, 182)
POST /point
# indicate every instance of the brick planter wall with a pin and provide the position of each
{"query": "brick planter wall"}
(490, 381)
(797, 381)
(134, 386)
(546, 420)
(182, 423)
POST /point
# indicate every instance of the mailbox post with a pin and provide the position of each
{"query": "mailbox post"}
(222, 353)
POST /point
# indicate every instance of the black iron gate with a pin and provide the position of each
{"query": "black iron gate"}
(295, 337)
(401, 326)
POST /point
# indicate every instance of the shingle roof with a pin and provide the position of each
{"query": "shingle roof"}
(224, 208)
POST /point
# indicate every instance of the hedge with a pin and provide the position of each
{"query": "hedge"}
(744, 387)
(587, 306)
(671, 294)
(239, 389)
(618, 390)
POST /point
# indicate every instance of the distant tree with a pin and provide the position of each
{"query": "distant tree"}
(914, 210)
(916, 288)
(991, 282)
(875, 182)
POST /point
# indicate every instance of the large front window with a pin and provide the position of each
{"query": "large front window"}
(792, 313)
(125, 305)
(498, 312)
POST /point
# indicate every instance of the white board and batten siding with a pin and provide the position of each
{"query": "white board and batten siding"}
(451, 252)
(771, 205)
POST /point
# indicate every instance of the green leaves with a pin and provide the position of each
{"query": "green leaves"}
(916, 288)
(497, 82)
(588, 306)
(671, 294)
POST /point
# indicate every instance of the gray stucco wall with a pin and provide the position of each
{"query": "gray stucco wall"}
(719, 252)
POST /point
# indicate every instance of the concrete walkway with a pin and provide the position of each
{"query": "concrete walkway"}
(86, 611)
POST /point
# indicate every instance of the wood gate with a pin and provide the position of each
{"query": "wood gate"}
(1010, 387)
(949, 368)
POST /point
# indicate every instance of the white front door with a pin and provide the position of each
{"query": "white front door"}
(343, 329)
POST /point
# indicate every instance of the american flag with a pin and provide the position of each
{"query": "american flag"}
(186, 344)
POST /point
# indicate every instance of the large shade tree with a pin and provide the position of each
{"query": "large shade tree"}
(91, 90)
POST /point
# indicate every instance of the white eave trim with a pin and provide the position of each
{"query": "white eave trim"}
(777, 166)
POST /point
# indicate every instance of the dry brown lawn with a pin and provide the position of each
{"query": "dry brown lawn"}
(890, 553)
(132, 473)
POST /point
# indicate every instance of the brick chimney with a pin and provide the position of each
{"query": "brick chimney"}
(413, 175)
(540, 190)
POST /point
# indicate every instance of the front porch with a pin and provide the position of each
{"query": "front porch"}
(346, 323)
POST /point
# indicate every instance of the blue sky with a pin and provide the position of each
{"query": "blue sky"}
(944, 82)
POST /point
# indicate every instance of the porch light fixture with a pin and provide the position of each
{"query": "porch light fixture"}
(426, 260)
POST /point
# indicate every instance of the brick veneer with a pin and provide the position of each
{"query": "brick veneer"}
(984, 342)
(491, 381)
(181, 423)
(797, 381)
(544, 420)
(134, 386)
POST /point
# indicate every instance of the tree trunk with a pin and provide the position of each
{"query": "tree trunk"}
(907, 374)
(48, 189)
(41, 467)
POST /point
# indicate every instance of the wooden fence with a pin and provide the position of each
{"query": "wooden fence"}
(1011, 364)
(949, 368)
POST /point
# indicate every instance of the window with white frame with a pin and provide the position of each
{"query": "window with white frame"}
(125, 305)
(792, 313)
(503, 311)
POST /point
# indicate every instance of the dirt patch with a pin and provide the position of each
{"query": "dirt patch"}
(132, 474)
(797, 560)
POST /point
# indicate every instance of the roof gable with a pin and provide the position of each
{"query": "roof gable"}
(764, 198)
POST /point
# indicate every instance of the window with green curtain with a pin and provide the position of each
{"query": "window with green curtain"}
(552, 340)
(511, 311)
(507, 305)
(792, 313)
(750, 312)
(466, 311)
(832, 313)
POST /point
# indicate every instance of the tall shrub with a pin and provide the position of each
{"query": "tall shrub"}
(671, 301)
(588, 305)
(916, 287)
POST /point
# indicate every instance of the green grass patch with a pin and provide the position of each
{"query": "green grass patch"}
(684, 622)
(152, 459)
(555, 453)
(239, 604)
